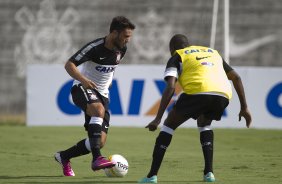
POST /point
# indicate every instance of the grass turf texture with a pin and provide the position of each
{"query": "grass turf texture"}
(241, 156)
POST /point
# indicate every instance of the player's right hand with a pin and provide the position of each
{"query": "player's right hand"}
(88, 84)
(153, 125)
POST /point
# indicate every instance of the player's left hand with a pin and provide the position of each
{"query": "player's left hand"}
(247, 115)
(153, 125)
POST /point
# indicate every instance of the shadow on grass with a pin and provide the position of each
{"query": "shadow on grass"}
(180, 182)
(25, 177)
(55, 180)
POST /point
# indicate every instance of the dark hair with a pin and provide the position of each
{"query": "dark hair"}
(120, 23)
(178, 41)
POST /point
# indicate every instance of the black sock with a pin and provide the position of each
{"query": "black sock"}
(94, 134)
(162, 143)
(206, 138)
(75, 151)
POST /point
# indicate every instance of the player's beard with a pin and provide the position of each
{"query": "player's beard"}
(118, 44)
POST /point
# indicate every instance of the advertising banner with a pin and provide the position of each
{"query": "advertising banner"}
(136, 93)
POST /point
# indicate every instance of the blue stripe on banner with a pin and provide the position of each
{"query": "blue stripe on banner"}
(136, 95)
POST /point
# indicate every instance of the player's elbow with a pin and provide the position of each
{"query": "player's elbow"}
(236, 78)
(68, 66)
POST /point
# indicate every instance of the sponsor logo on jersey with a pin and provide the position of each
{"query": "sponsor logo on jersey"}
(190, 51)
(207, 63)
(200, 58)
(105, 69)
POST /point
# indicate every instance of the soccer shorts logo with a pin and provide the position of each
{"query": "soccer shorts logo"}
(93, 97)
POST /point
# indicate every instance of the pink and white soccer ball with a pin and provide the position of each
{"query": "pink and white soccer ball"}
(120, 169)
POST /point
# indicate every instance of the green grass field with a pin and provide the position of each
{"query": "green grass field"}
(243, 156)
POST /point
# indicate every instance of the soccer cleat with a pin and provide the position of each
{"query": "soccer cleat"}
(67, 170)
(209, 177)
(101, 163)
(153, 179)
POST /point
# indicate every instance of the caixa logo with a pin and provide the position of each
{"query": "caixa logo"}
(66, 105)
(64, 102)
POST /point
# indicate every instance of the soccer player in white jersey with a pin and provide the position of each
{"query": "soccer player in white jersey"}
(98, 60)
(204, 77)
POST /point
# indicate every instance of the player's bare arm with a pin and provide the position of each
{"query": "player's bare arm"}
(238, 85)
(166, 97)
(74, 73)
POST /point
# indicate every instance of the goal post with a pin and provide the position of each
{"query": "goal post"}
(225, 27)
(226, 31)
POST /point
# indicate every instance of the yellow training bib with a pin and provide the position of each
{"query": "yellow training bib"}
(202, 71)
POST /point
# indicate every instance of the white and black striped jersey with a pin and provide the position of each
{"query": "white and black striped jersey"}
(98, 63)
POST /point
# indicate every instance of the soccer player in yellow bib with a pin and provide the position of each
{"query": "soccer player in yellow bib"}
(204, 77)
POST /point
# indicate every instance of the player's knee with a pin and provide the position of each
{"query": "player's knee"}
(167, 129)
(95, 110)
(204, 128)
(102, 144)
(202, 121)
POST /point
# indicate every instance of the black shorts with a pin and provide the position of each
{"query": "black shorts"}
(81, 97)
(192, 106)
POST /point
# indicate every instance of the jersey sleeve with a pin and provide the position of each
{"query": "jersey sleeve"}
(173, 67)
(227, 68)
(86, 53)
